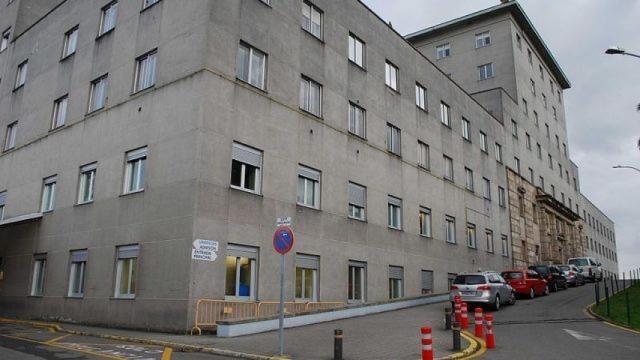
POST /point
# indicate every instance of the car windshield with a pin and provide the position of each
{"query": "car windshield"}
(540, 269)
(564, 267)
(470, 280)
(512, 275)
(579, 262)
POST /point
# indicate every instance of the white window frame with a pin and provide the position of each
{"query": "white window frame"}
(135, 171)
(448, 168)
(108, 18)
(4, 40)
(489, 240)
(421, 97)
(396, 284)
(465, 129)
(486, 191)
(443, 51)
(502, 197)
(357, 120)
(77, 264)
(3, 199)
(47, 202)
(471, 236)
(391, 75)
(38, 275)
(59, 113)
(145, 74)
(424, 222)
(131, 276)
(450, 229)
(307, 96)
(253, 54)
(10, 136)
(21, 74)
(357, 203)
(468, 175)
(252, 254)
(357, 51)
(445, 114)
(98, 93)
(485, 71)
(498, 149)
(394, 212)
(243, 168)
(309, 179)
(311, 13)
(70, 42)
(483, 39)
(315, 270)
(394, 140)
(424, 155)
(86, 183)
(357, 266)
(483, 142)
(504, 240)
(149, 3)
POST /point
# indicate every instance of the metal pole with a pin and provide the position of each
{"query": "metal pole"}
(596, 286)
(456, 336)
(337, 344)
(615, 276)
(447, 318)
(626, 296)
(281, 319)
(624, 281)
(611, 280)
(606, 295)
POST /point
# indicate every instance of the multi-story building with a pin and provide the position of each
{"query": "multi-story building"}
(133, 128)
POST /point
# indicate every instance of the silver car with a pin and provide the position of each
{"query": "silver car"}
(486, 287)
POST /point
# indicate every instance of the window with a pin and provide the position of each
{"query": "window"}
(76, 273)
(555, 113)
(483, 39)
(393, 139)
(547, 130)
(514, 128)
(468, 174)
(356, 50)
(308, 187)
(498, 153)
(471, 236)
(10, 136)
(483, 142)
(536, 120)
(531, 176)
(516, 164)
(529, 56)
(421, 97)
(541, 182)
(394, 212)
(564, 149)
(539, 150)
(126, 268)
(445, 114)
(525, 106)
(450, 229)
(551, 86)
(59, 115)
(465, 129)
(485, 71)
(70, 42)
(86, 184)
(528, 141)
(396, 277)
(501, 197)
(246, 165)
(307, 283)
(519, 41)
(553, 190)
(451, 277)
(544, 100)
(48, 194)
(533, 87)
(357, 120)
(4, 41)
(312, 19)
(98, 93)
(541, 72)
(21, 74)
(559, 97)
(108, 18)
(505, 245)
(357, 281)
(557, 142)
(3, 199)
(135, 168)
(486, 188)
(560, 170)
(147, 3)
(426, 280)
(443, 51)
(251, 66)
(311, 96)
(145, 71)
(448, 168)
(423, 155)
(37, 279)
(550, 162)
(424, 218)
(489, 238)
(357, 201)
(391, 75)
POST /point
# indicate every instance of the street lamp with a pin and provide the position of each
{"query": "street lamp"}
(617, 50)
(626, 167)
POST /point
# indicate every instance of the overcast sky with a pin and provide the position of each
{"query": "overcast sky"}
(603, 125)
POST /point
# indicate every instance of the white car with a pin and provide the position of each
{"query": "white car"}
(589, 267)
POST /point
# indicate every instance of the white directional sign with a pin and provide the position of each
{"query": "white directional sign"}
(283, 221)
(205, 250)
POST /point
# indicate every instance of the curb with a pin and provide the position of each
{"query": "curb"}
(593, 314)
(476, 348)
(175, 346)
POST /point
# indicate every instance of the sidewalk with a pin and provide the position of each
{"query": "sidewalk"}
(390, 335)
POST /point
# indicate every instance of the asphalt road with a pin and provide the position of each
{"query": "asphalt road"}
(556, 327)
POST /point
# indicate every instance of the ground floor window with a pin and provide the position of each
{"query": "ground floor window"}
(357, 281)
(450, 278)
(396, 277)
(126, 268)
(307, 267)
(37, 280)
(76, 273)
(242, 272)
(426, 281)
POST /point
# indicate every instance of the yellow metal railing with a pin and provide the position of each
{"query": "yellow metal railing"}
(209, 312)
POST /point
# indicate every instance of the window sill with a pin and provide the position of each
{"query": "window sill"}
(307, 207)
(132, 297)
(84, 203)
(448, 180)
(468, 141)
(142, 91)
(428, 237)
(451, 243)
(75, 297)
(357, 136)
(6, 151)
(446, 125)
(64, 58)
(247, 191)
(40, 296)
(312, 114)
(104, 34)
(357, 219)
(57, 128)
(320, 39)
(15, 89)
(95, 111)
(264, 91)
(46, 212)
(394, 229)
(485, 152)
(424, 110)
(423, 168)
(399, 156)
(472, 248)
(150, 6)
(395, 91)
(132, 193)
(360, 67)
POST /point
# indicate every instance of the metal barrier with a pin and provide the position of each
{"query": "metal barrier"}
(209, 311)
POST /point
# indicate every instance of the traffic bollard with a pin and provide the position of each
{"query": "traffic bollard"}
(456, 336)
(465, 317)
(447, 318)
(478, 322)
(337, 344)
(491, 341)
(427, 346)
(458, 307)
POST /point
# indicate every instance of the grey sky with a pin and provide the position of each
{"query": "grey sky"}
(603, 125)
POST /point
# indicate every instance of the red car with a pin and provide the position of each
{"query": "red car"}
(526, 282)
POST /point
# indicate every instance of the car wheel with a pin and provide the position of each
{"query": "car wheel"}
(532, 293)
(546, 290)
(513, 299)
(496, 304)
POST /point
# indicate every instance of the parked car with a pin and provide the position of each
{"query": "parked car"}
(526, 283)
(572, 274)
(591, 269)
(485, 287)
(553, 275)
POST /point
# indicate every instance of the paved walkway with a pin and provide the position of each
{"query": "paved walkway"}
(389, 335)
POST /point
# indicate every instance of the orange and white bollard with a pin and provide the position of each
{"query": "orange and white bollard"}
(427, 343)
(491, 341)
(465, 317)
(458, 310)
(478, 322)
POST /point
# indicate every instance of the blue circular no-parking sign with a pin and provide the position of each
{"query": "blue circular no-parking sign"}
(283, 239)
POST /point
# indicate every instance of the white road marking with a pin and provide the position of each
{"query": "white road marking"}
(584, 336)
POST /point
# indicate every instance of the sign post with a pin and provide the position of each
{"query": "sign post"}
(282, 242)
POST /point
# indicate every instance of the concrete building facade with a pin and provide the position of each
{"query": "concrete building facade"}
(132, 129)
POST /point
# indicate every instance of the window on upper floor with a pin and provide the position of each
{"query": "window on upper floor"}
(108, 18)
(550, 158)
(536, 120)
(443, 51)
(533, 87)
(530, 56)
(514, 128)
(557, 142)
(531, 175)
(3, 199)
(391, 75)
(86, 183)
(145, 76)
(498, 153)
(59, 114)
(246, 166)
(502, 202)
(541, 70)
(539, 148)
(308, 187)
(10, 136)
(394, 212)
(555, 113)
(70, 42)
(424, 219)
(448, 168)
(528, 141)
(357, 120)
(516, 164)
(519, 41)
(135, 170)
(486, 188)
(445, 114)
(393, 139)
(564, 149)
(356, 50)
(544, 100)
(421, 97)
(251, 66)
(147, 3)
(48, 194)
(525, 106)
(450, 229)
(483, 39)
(312, 19)
(548, 132)
(98, 93)
(485, 71)
(541, 179)
(483, 142)
(4, 40)
(21, 74)
(423, 155)
(471, 235)
(310, 96)
(468, 176)
(357, 201)
(465, 129)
